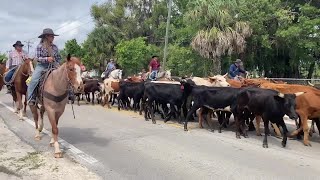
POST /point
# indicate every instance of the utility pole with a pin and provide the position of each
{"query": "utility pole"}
(28, 44)
(167, 34)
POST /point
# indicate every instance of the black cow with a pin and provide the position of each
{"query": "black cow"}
(173, 93)
(91, 86)
(130, 90)
(217, 98)
(270, 105)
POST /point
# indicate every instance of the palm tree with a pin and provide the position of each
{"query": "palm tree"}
(220, 30)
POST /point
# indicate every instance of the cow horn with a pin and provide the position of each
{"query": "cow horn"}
(281, 95)
(225, 75)
(299, 93)
(310, 84)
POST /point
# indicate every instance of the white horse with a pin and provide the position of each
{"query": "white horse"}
(162, 74)
(115, 74)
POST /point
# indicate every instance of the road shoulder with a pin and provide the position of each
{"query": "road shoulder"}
(18, 160)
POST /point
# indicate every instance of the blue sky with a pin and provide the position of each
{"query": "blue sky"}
(25, 19)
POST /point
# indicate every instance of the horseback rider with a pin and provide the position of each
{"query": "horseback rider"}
(110, 67)
(16, 57)
(46, 53)
(235, 69)
(154, 67)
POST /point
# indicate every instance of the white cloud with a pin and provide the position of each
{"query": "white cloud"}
(25, 20)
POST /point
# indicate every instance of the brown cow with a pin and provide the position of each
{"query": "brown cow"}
(308, 105)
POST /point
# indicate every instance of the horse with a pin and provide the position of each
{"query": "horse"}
(161, 76)
(111, 85)
(2, 71)
(20, 87)
(54, 97)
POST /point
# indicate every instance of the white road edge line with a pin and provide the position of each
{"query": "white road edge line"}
(69, 147)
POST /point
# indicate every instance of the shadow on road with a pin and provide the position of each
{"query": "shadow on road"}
(82, 136)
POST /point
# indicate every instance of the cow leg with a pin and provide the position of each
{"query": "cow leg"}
(243, 127)
(285, 132)
(312, 130)
(172, 111)
(305, 128)
(266, 132)
(318, 124)
(145, 107)
(92, 97)
(258, 121)
(199, 114)
(237, 120)
(78, 99)
(192, 111)
(276, 130)
(151, 112)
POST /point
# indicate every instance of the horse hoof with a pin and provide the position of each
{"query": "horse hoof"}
(58, 155)
(259, 134)
(37, 138)
(153, 122)
(185, 129)
(212, 130)
(238, 137)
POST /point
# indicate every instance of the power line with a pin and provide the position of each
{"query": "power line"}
(88, 14)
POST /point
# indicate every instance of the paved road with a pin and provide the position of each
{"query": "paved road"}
(127, 147)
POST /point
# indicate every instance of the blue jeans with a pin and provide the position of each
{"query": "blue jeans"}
(36, 75)
(10, 74)
(153, 75)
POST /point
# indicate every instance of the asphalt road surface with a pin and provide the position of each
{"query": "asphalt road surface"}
(121, 145)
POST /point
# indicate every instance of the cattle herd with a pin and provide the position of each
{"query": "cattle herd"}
(186, 99)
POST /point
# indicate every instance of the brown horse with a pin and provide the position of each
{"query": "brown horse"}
(2, 71)
(20, 87)
(55, 97)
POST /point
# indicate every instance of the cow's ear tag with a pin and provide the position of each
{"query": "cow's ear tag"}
(182, 87)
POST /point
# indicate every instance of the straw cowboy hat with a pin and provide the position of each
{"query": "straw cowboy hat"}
(18, 43)
(47, 31)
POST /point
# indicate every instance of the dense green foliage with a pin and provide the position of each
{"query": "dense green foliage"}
(3, 57)
(277, 38)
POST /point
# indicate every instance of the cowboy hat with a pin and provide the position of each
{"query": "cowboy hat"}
(154, 57)
(238, 61)
(47, 31)
(18, 43)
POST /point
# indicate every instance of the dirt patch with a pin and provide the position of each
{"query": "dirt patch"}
(20, 161)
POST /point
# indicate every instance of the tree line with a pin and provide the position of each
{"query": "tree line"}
(275, 38)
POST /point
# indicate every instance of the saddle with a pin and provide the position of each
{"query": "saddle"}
(10, 81)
